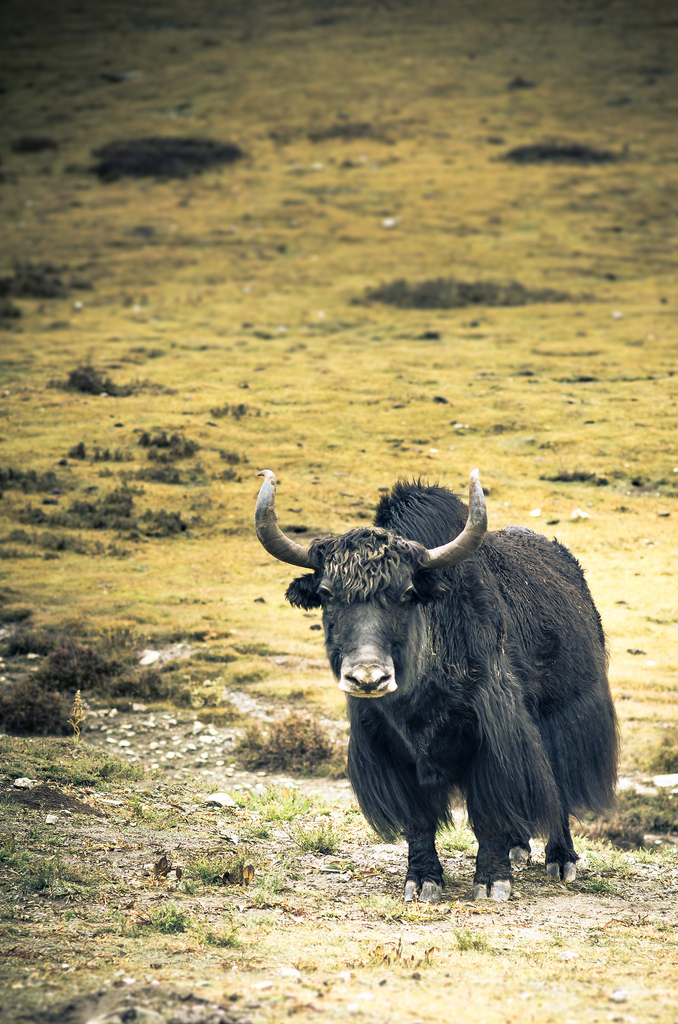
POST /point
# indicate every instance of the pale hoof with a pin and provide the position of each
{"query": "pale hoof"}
(553, 870)
(519, 855)
(431, 892)
(501, 890)
(410, 891)
(479, 892)
(569, 871)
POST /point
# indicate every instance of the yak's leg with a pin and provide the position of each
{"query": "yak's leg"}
(561, 859)
(424, 871)
(493, 877)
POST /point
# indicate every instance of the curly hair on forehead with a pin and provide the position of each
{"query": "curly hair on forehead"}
(366, 561)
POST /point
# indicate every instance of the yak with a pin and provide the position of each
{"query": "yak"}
(475, 668)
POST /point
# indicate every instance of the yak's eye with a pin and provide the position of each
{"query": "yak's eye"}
(408, 593)
(324, 592)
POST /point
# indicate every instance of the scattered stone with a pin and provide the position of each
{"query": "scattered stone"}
(24, 783)
(221, 800)
(620, 995)
(665, 781)
(578, 515)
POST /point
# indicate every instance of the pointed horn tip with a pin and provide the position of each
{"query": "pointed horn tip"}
(268, 473)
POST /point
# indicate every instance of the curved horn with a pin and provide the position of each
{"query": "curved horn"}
(471, 537)
(268, 531)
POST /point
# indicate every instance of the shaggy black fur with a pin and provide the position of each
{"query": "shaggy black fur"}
(501, 669)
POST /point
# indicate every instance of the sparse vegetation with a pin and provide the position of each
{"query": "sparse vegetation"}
(448, 293)
(296, 743)
(162, 157)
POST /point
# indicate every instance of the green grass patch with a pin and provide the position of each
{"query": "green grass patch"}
(64, 762)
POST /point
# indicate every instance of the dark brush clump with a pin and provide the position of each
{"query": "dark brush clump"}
(159, 157)
(348, 130)
(33, 144)
(447, 293)
(33, 281)
(578, 476)
(114, 511)
(162, 448)
(27, 480)
(565, 153)
(296, 743)
(8, 311)
(91, 382)
(28, 707)
(237, 411)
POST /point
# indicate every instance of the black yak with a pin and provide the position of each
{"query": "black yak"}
(485, 659)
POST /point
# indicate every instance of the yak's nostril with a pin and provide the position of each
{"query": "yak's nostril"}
(369, 677)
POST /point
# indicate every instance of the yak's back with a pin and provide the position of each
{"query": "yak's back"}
(429, 514)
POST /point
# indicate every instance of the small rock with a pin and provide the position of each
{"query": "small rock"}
(149, 657)
(620, 995)
(578, 514)
(290, 972)
(24, 783)
(220, 800)
(663, 781)
(51, 819)
(535, 512)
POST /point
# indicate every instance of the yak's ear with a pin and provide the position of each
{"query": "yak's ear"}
(429, 586)
(303, 592)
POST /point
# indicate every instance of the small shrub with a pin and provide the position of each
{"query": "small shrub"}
(224, 938)
(28, 480)
(50, 873)
(348, 130)
(91, 382)
(277, 803)
(28, 707)
(467, 940)
(30, 641)
(33, 281)
(33, 144)
(320, 838)
(160, 474)
(560, 153)
(169, 921)
(665, 760)
(296, 743)
(447, 293)
(236, 411)
(158, 157)
(17, 614)
(162, 448)
(8, 310)
(77, 666)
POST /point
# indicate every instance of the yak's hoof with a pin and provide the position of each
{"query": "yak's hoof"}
(431, 892)
(501, 890)
(410, 890)
(567, 873)
(519, 855)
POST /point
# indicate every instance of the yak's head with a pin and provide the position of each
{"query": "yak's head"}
(371, 585)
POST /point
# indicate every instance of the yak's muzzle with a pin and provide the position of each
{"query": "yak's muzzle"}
(368, 679)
